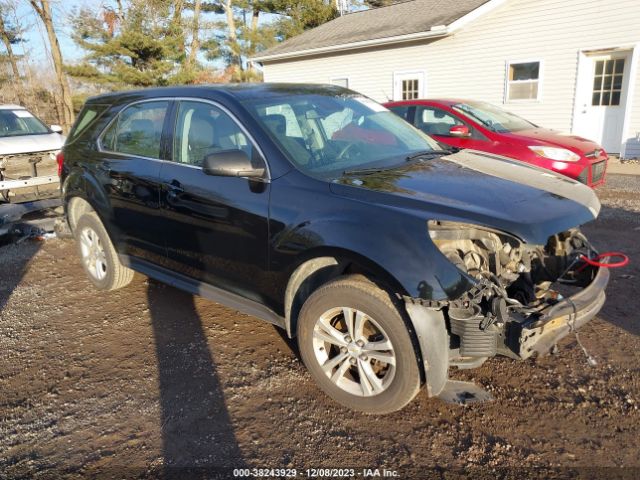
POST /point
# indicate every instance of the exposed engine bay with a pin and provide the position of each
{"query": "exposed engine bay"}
(517, 285)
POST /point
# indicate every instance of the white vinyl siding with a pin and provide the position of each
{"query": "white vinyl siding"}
(471, 62)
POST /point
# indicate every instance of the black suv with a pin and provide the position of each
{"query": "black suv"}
(316, 209)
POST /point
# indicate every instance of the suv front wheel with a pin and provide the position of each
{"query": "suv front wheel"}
(99, 258)
(355, 343)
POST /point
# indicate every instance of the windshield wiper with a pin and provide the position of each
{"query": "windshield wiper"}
(431, 153)
(425, 153)
(366, 171)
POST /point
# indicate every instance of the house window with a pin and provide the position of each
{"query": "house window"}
(410, 89)
(340, 82)
(607, 82)
(523, 81)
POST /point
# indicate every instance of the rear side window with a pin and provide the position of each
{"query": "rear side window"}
(137, 130)
(88, 115)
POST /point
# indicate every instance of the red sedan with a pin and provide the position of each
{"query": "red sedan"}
(485, 127)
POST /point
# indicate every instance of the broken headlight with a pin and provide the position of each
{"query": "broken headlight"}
(480, 251)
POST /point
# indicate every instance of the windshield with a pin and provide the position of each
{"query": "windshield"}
(493, 118)
(330, 134)
(20, 122)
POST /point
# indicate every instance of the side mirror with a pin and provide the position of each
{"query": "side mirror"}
(56, 128)
(459, 131)
(230, 163)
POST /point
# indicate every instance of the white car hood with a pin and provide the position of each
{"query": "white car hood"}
(31, 143)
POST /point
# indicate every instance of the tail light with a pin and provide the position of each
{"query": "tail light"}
(60, 160)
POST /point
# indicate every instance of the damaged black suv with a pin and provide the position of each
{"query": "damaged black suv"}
(318, 210)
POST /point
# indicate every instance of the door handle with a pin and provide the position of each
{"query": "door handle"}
(174, 189)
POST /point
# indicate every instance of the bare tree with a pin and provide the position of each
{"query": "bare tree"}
(65, 103)
(176, 23)
(8, 38)
(195, 35)
(227, 6)
(120, 10)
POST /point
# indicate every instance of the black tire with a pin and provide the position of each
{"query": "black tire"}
(357, 292)
(114, 274)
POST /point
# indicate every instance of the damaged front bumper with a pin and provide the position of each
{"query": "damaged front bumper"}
(29, 176)
(522, 339)
(540, 335)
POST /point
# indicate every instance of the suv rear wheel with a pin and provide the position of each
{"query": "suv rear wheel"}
(356, 345)
(99, 258)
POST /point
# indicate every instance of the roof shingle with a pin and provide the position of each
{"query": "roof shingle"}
(403, 18)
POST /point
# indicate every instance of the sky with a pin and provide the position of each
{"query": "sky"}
(36, 45)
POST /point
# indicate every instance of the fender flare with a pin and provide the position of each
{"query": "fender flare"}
(80, 184)
(317, 267)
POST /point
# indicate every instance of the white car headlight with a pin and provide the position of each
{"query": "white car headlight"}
(553, 153)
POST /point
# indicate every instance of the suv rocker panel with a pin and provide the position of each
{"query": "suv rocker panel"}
(202, 289)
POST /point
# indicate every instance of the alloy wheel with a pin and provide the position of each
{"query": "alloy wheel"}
(354, 351)
(93, 254)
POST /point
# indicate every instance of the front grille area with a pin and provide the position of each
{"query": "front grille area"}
(583, 177)
(597, 171)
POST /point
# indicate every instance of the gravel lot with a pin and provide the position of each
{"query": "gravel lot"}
(149, 381)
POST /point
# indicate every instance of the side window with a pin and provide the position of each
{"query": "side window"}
(202, 129)
(402, 111)
(435, 121)
(137, 130)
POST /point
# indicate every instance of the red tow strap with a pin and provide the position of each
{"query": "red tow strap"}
(624, 260)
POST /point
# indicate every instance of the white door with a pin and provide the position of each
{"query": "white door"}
(408, 85)
(602, 89)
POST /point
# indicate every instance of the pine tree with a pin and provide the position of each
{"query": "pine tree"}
(142, 46)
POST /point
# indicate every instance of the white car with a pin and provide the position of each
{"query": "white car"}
(28, 149)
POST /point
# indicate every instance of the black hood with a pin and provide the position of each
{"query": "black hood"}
(473, 187)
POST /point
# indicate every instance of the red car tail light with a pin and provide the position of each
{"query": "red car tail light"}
(60, 160)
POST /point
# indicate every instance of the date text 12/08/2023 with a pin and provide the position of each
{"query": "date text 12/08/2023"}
(315, 473)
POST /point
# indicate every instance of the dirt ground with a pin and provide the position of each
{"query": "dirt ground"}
(150, 382)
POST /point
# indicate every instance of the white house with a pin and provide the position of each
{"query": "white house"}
(570, 65)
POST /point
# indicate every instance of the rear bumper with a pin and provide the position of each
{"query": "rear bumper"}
(564, 317)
